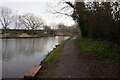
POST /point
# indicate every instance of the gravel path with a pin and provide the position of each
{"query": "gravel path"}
(72, 63)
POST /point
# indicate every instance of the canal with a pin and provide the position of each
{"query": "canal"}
(20, 55)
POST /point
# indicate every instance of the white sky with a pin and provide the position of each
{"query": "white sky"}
(38, 7)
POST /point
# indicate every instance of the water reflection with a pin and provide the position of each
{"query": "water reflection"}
(19, 55)
(0, 58)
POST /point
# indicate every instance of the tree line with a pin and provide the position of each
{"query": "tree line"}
(96, 20)
(29, 21)
(68, 29)
(25, 21)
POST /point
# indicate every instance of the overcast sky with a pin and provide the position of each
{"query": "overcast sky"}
(39, 8)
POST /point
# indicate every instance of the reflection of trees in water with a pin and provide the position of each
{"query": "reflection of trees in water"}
(5, 54)
(60, 39)
(0, 49)
(16, 47)
(33, 45)
(27, 47)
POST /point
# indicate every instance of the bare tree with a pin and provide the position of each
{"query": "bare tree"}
(31, 22)
(6, 17)
(17, 22)
(62, 8)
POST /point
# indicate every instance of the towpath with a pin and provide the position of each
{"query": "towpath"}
(72, 63)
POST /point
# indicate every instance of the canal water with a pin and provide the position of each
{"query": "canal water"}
(20, 55)
(0, 59)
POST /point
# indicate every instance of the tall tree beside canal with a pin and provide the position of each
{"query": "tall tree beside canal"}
(6, 17)
(96, 20)
(30, 21)
(99, 20)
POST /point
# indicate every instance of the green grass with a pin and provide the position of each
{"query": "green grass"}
(50, 59)
(100, 48)
(10, 35)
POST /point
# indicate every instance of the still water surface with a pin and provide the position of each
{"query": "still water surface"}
(20, 55)
(0, 59)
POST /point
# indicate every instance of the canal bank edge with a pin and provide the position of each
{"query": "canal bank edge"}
(50, 58)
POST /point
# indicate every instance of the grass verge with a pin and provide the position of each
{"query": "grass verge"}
(49, 60)
(102, 49)
(23, 35)
(10, 35)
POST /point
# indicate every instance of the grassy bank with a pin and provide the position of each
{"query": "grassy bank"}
(49, 60)
(102, 49)
(8, 35)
